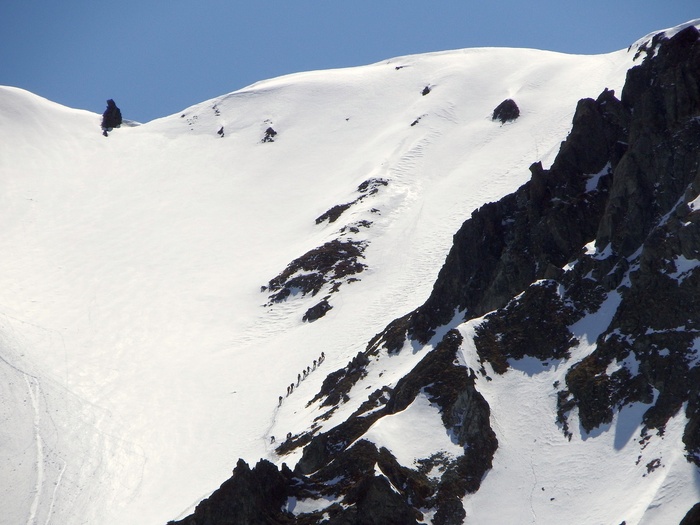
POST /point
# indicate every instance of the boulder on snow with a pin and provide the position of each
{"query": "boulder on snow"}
(317, 311)
(111, 118)
(269, 135)
(506, 111)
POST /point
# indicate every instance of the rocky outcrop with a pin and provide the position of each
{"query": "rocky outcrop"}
(365, 483)
(533, 324)
(366, 189)
(317, 311)
(331, 264)
(664, 95)
(111, 118)
(251, 496)
(648, 244)
(506, 111)
(337, 384)
(269, 136)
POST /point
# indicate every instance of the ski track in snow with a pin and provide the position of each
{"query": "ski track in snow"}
(37, 396)
(40, 492)
(34, 392)
(56, 472)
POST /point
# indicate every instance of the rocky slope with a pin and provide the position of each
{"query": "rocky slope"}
(614, 220)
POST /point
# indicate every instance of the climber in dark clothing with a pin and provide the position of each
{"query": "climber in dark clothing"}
(111, 118)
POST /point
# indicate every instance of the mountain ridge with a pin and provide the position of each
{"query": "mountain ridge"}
(133, 313)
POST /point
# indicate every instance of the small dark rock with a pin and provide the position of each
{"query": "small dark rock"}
(506, 111)
(371, 186)
(111, 118)
(317, 311)
(334, 213)
(269, 135)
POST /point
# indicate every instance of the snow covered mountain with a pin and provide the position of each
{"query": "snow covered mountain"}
(285, 273)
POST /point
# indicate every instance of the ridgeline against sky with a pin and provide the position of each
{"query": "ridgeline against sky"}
(156, 58)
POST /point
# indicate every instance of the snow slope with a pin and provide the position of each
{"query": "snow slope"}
(607, 476)
(138, 358)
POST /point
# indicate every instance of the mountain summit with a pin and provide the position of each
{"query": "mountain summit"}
(274, 275)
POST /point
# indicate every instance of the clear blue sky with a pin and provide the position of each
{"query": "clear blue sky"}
(156, 57)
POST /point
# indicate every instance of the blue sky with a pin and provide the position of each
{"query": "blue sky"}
(157, 57)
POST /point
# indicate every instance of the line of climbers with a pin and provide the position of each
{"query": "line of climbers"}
(300, 378)
(304, 373)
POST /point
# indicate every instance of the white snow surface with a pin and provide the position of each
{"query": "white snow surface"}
(421, 421)
(137, 359)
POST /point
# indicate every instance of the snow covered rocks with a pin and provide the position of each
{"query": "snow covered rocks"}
(366, 189)
(333, 263)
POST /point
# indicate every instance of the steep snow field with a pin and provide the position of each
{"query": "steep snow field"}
(611, 475)
(138, 360)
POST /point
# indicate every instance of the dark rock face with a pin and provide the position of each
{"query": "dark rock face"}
(506, 111)
(464, 411)
(622, 181)
(330, 266)
(371, 499)
(534, 324)
(336, 386)
(693, 516)
(664, 94)
(650, 237)
(254, 497)
(334, 213)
